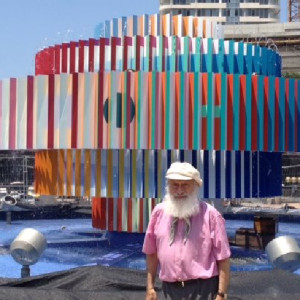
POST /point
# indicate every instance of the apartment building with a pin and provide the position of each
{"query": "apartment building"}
(225, 11)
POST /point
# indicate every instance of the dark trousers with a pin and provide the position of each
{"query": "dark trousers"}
(197, 289)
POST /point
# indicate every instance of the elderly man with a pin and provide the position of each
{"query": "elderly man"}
(187, 239)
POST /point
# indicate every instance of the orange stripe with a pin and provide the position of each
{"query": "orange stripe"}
(69, 172)
(37, 168)
(195, 27)
(186, 26)
(204, 28)
(99, 213)
(53, 161)
(78, 173)
(61, 172)
(175, 25)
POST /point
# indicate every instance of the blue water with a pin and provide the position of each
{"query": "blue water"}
(73, 242)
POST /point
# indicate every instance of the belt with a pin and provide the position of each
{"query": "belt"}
(184, 283)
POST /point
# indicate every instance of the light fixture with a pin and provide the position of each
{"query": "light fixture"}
(27, 248)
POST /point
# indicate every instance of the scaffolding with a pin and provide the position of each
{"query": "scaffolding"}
(291, 176)
(293, 10)
(16, 171)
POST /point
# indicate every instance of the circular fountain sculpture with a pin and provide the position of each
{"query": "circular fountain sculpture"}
(284, 253)
(27, 248)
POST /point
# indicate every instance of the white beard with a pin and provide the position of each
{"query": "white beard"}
(181, 208)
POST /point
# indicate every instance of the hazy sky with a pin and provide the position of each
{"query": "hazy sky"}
(27, 26)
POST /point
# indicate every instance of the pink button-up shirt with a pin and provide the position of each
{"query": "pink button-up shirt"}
(197, 258)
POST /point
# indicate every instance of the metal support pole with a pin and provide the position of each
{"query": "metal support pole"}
(25, 272)
(8, 217)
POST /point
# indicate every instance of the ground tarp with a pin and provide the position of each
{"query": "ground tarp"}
(101, 283)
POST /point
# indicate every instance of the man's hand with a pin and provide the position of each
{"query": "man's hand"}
(151, 294)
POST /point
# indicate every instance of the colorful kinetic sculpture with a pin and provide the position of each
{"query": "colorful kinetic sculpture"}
(108, 116)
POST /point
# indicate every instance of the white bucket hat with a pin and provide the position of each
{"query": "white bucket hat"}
(183, 171)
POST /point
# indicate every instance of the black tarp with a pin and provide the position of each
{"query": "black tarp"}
(98, 282)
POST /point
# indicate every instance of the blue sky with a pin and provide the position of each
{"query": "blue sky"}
(27, 26)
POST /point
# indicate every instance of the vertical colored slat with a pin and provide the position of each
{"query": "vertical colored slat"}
(129, 110)
(217, 107)
(236, 110)
(87, 173)
(191, 99)
(204, 111)
(249, 58)
(230, 112)
(240, 58)
(266, 114)
(110, 212)
(30, 110)
(121, 173)
(91, 55)
(271, 117)
(223, 112)
(109, 173)
(78, 172)
(254, 118)
(220, 56)
(298, 116)
(248, 121)
(69, 172)
(73, 46)
(287, 115)
(64, 58)
(181, 111)
(282, 114)
(177, 105)
(153, 109)
(12, 113)
(291, 108)
(242, 114)
(61, 173)
(98, 173)
(74, 121)
(210, 111)
(57, 59)
(276, 136)
(50, 112)
(260, 102)
(81, 56)
(195, 109)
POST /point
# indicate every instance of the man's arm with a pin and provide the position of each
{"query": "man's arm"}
(152, 264)
(224, 276)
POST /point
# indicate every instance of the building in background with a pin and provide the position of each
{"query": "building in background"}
(225, 11)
